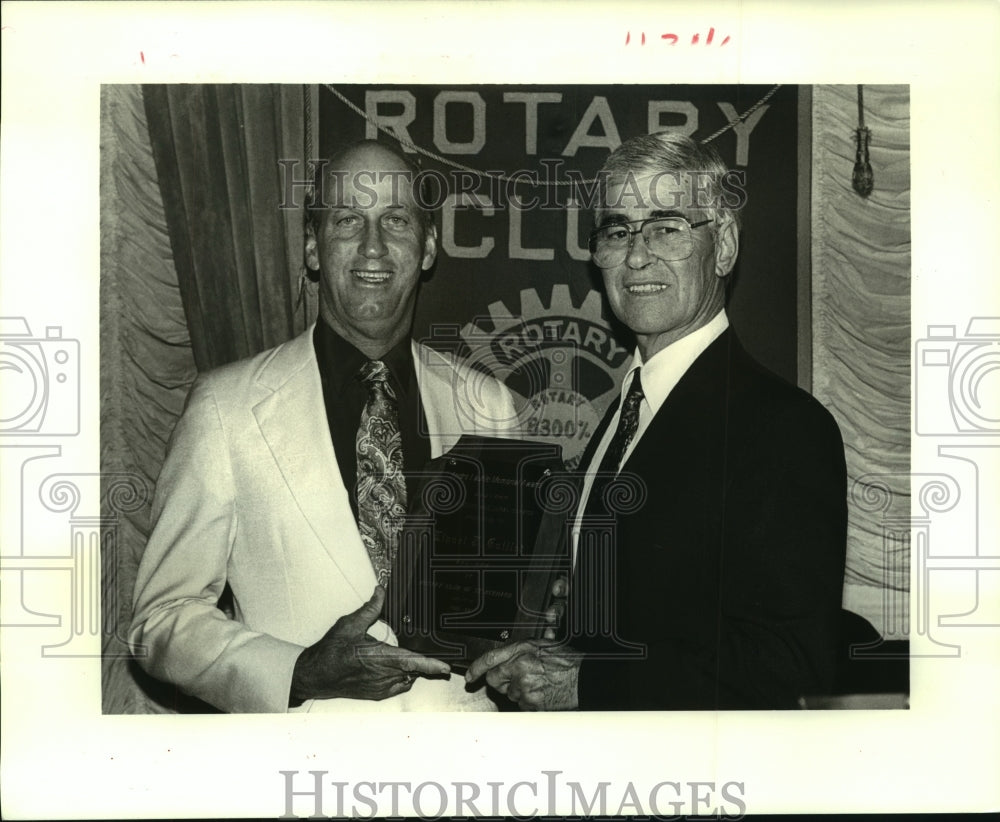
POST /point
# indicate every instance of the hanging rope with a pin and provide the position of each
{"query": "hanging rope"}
(504, 178)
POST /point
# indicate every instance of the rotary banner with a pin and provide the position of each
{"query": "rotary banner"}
(510, 172)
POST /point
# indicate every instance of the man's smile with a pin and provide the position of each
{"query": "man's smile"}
(376, 277)
(644, 289)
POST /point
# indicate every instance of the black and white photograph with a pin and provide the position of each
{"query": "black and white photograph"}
(492, 422)
(735, 522)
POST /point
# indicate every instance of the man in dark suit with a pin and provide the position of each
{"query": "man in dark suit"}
(718, 581)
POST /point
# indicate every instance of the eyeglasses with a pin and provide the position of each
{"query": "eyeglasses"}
(668, 238)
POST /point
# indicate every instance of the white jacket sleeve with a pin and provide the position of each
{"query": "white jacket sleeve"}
(178, 634)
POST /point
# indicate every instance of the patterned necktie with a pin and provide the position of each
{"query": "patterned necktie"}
(381, 485)
(628, 423)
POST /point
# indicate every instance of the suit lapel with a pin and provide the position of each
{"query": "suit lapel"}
(436, 378)
(292, 421)
(588, 453)
(696, 405)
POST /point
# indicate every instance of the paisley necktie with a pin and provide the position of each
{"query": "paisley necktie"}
(381, 489)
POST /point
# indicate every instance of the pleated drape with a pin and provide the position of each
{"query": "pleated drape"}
(861, 331)
(146, 370)
(199, 267)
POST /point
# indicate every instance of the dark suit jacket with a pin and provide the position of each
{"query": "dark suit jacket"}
(730, 574)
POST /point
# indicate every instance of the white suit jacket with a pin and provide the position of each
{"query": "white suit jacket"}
(250, 493)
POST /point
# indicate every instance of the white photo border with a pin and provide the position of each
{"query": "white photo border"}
(63, 759)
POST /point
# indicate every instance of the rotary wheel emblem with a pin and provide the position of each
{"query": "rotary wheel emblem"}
(561, 362)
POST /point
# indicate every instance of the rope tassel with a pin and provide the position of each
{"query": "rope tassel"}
(863, 179)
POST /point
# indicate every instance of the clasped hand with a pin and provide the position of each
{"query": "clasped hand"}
(537, 674)
(347, 662)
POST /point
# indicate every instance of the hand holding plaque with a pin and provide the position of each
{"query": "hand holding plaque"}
(470, 572)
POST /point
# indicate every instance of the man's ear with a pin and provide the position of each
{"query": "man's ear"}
(727, 245)
(312, 248)
(430, 247)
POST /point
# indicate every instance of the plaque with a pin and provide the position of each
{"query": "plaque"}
(468, 575)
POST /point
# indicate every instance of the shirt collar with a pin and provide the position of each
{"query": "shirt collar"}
(341, 361)
(666, 367)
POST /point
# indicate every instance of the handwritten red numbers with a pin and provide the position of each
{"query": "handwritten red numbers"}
(674, 39)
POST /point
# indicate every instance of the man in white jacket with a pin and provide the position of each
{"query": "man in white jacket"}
(258, 490)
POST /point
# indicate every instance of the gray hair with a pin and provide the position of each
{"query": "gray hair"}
(669, 151)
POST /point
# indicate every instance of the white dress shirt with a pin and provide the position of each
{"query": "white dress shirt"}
(659, 376)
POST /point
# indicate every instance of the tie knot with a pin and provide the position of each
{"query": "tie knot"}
(374, 371)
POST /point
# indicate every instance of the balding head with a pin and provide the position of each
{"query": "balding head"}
(358, 167)
(369, 239)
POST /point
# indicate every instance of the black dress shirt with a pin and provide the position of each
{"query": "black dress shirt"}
(345, 396)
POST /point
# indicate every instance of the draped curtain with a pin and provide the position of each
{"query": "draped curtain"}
(145, 372)
(238, 254)
(861, 334)
(199, 267)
